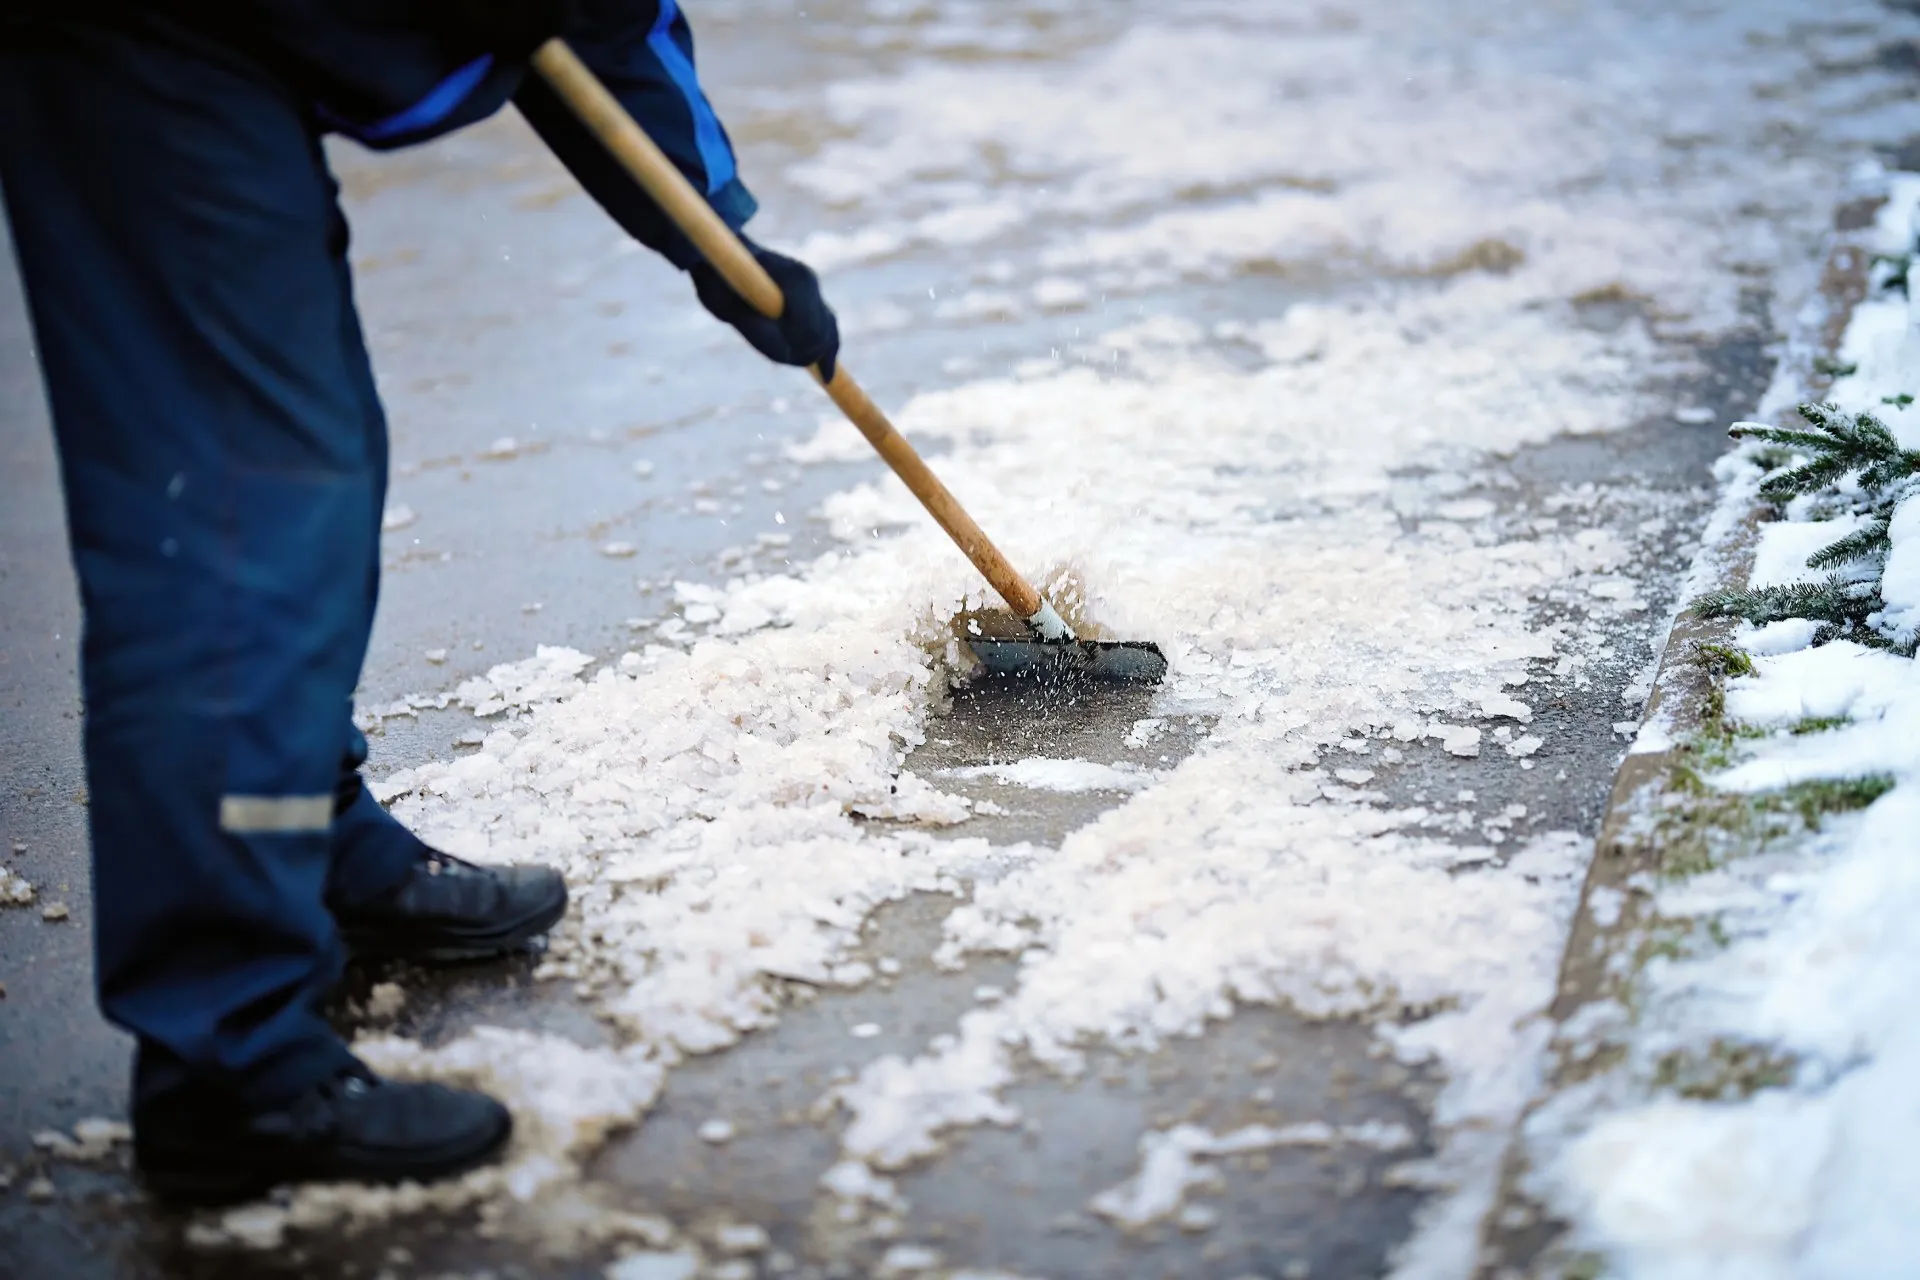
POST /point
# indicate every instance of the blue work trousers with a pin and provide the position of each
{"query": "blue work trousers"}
(224, 458)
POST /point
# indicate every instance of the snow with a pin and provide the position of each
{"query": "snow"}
(93, 1138)
(1786, 544)
(1816, 1179)
(1041, 774)
(741, 1237)
(1875, 690)
(15, 889)
(1815, 1175)
(1653, 1166)
(907, 1259)
(385, 1001)
(1784, 636)
(850, 1180)
(1900, 583)
(1652, 738)
(1170, 1162)
(653, 1265)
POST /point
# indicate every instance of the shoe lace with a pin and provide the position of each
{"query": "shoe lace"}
(440, 863)
(316, 1113)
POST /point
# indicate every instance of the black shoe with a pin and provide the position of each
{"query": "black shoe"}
(447, 909)
(195, 1148)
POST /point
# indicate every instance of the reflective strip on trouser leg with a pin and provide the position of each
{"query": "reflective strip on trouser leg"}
(275, 815)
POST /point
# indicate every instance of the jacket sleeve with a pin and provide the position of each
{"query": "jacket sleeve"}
(643, 51)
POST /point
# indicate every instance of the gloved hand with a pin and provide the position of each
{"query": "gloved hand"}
(806, 332)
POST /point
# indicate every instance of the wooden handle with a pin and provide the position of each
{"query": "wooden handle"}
(939, 501)
(601, 112)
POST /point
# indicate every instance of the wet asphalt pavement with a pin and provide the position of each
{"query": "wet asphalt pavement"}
(521, 466)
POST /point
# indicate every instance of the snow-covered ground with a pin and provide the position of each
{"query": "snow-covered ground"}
(1330, 269)
(1803, 1158)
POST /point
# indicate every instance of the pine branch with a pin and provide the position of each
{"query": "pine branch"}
(1808, 441)
(1810, 462)
(1869, 541)
(1807, 477)
(1891, 474)
(1902, 268)
(1871, 639)
(1833, 600)
(1839, 445)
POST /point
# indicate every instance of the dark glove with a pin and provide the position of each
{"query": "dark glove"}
(806, 332)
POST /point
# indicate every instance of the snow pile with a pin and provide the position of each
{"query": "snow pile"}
(652, 1264)
(15, 889)
(1817, 1172)
(93, 1138)
(568, 1097)
(1040, 773)
(702, 805)
(1170, 1168)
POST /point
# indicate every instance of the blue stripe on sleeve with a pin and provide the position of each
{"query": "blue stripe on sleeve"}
(716, 157)
(440, 102)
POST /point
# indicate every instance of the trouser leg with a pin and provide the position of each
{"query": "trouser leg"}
(221, 451)
(372, 852)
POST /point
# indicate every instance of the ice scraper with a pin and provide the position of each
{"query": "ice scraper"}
(1051, 649)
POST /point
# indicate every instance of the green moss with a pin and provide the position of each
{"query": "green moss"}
(1715, 707)
(1832, 368)
(1663, 940)
(1817, 724)
(1655, 938)
(1723, 659)
(1728, 1070)
(1602, 1060)
(1584, 1266)
(1814, 800)
(1716, 748)
(1710, 827)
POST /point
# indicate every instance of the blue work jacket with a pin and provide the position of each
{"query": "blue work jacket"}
(391, 73)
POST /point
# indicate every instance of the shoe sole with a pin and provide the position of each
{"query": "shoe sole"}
(204, 1188)
(458, 948)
